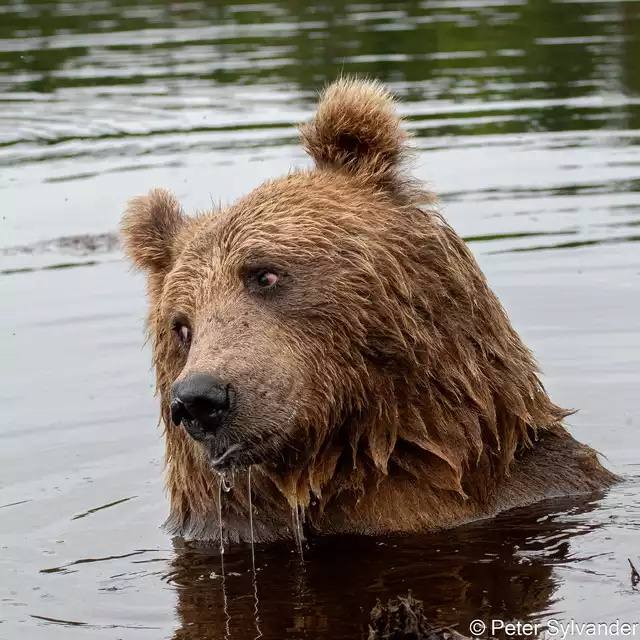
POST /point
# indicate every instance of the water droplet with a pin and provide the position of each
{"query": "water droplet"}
(226, 482)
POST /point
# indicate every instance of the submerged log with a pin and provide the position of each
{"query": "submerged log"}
(404, 619)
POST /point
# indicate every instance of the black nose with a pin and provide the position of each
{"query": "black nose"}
(201, 398)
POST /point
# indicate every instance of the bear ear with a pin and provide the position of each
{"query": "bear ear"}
(149, 228)
(355, 128)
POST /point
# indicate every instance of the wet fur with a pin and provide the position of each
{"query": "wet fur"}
(395, 395)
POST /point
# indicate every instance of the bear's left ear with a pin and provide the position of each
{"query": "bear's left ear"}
(357, 130)
(150, 227)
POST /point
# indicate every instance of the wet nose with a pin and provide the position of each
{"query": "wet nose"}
(202, 398)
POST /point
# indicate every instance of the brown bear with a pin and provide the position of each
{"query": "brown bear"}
(330, 341)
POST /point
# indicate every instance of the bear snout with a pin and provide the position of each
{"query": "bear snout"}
(201, 403)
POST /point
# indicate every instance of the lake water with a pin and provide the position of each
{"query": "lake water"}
(527, 120)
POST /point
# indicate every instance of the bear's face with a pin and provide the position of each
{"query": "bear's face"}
(274, 315)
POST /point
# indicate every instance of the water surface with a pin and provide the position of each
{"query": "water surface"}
(526, 120)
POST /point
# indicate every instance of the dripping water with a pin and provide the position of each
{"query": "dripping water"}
(253, 553)
(297, 530)
(226, 482)
(220, 519)
(253, 560)
(225, 605)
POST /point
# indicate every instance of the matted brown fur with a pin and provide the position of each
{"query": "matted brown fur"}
(381, 387)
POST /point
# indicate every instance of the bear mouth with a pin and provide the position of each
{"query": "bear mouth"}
(223, 455)
(228, 456)
(222, 452)
(234, 458)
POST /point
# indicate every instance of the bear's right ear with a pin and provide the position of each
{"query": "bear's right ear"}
(149, 228)
(356, 129)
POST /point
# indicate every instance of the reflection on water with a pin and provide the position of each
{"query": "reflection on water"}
(526, 120)
(502, 570)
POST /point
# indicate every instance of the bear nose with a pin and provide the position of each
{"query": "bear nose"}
(200, 398)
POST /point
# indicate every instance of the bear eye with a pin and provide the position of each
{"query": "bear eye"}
(182, 331)
(267, 279)
(263, 278)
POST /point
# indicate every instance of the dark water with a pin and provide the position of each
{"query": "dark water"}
(527, 120)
